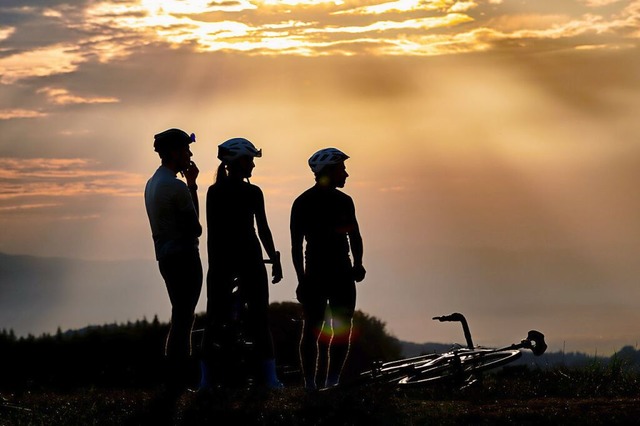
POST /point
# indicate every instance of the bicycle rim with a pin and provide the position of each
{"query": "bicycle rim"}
(459, 367)
(439, 369)
(489, 360)
(392, 371)
(409, 361)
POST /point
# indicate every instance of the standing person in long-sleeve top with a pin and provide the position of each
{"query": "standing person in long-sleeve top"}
(173, 210)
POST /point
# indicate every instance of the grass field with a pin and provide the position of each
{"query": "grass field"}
(588, 396)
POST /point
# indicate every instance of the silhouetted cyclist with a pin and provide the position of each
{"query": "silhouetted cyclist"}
(235, 257)
(325, 218)
(172, 207)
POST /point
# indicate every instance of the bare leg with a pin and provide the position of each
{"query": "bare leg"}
(309, 352)
(339, 350)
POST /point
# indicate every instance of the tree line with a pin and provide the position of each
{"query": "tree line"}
(131, 354)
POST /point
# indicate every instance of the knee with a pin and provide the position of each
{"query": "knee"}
(312, 329)
(182, 317)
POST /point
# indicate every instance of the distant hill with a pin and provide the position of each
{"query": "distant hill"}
(40, 294)
(627, 354)
(410, 349)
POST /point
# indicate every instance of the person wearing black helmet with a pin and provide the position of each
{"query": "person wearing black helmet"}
(235, 211)
(325, 219)
(173, 211)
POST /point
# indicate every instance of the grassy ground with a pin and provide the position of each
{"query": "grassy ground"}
(585, 397)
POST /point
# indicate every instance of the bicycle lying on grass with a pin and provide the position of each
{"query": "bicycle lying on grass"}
(460, 365)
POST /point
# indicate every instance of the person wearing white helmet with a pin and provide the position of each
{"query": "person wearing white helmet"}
(235, 256)
(326, 157)
(172, 208)
(232, 149)
(324, 218)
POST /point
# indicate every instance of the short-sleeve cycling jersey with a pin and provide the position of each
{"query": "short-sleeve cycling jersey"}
(325, 216)
(231, 234)
(172, 215)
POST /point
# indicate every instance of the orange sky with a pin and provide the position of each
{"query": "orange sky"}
(494, 143)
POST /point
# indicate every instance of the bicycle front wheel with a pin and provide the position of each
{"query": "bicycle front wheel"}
(459, 366)
(392, 371)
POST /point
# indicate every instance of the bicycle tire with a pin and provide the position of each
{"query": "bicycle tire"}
(459, 365)
(392, 371)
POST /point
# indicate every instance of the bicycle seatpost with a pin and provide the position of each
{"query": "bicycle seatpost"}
(458, 317)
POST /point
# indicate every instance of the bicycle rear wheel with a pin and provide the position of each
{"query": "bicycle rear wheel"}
(459, 366)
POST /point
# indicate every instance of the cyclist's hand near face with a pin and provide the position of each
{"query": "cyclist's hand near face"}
(358, 273)
(191, 173)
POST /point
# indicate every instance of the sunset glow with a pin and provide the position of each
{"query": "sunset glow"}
(404, 27)
(39, 63)
(40, 177)
(494, 145)
(266, 27)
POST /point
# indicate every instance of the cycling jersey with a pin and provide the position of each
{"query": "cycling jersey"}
(175, 227)
(325, 216)
(231, 235)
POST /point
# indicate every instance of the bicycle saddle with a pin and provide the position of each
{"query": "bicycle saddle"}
(535, 342)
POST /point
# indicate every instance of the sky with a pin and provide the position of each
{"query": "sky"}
(494, 144)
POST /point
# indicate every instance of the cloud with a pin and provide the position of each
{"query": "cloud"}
(6, 33)
(303, 2)
(387, 25)
(598, 3)
(22, 207)
(107, 31)
(324, 35)
(463, 6)
(395, 6)
(61, 96)
(39, 63)
(562, 31)
(56, 177)
(8, 114)
(410, 24)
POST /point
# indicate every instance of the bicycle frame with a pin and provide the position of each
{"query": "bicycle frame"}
(534, 340)
(456, 364)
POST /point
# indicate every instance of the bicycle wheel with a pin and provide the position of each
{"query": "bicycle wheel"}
(458, 366)
(489, 360)
(392, 371)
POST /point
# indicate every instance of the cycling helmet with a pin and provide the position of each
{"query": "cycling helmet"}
(172, 138)
(325, 157)
(237, 147)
